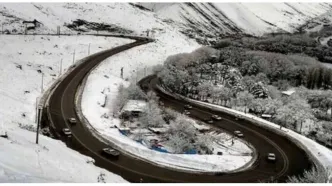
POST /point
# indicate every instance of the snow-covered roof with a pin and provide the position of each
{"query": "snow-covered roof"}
(266, 115)
(201, 127)
(134, 105)
(288, 92)
(161, 130)
(137, 131)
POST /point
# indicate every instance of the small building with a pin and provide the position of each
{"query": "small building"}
(124, 131)
(288, 92)
(159, 130)
(133, 108)
(266, 116)
(201, 128)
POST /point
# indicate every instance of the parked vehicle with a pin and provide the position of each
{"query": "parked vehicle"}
(271, 157)
(216, 117)
(111, 151)
(238, 133)
(66, 131)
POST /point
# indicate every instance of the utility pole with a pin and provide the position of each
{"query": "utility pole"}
(74, 57)
(42, 83)
(144, 71)
(89, 49)
(60, 70)
(38, 123)
(36, 109)
(2, 29)
(136, 74)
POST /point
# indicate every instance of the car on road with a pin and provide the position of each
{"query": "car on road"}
(66, 131)
(188, 106)
(72, 120)
(238, 117)
(186, 112)
(271, 157)
(111, 151)
(216, 117)
(238, 134)
(208, 120)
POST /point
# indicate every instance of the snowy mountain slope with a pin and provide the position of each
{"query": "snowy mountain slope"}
(23, 59)
(230, 18)
(52, 15)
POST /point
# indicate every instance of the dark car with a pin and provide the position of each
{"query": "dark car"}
(188, 106)
(72, 120)
(186, 112)
(271, 157)
(208, 120)
(111, 151)
(238, 134)
(66, 131)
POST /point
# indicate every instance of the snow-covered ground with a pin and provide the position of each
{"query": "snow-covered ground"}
(21, 58)
(50, 161)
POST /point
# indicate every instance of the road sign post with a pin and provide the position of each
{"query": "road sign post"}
(38, 123)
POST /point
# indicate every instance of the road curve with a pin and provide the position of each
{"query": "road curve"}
(61, 107)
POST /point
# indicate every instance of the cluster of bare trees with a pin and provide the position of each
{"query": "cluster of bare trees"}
(132, 92)
(182, 135)
(315, 175)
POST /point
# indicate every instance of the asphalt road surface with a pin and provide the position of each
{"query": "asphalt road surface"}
(291, 160)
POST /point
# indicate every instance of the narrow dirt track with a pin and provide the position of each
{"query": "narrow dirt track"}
(291, 159)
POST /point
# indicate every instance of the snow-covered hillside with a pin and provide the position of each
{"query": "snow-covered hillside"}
(251, 18)
(23, 59)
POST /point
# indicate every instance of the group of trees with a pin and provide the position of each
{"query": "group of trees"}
(132, 92)
(284, 44)
(315, 175)
(233, 76)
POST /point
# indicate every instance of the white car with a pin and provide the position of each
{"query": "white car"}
(216, 117)
(271, 157)
(72, 120)
(238, 133)
(66, 131)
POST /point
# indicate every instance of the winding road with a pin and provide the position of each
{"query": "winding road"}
(291, 159)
